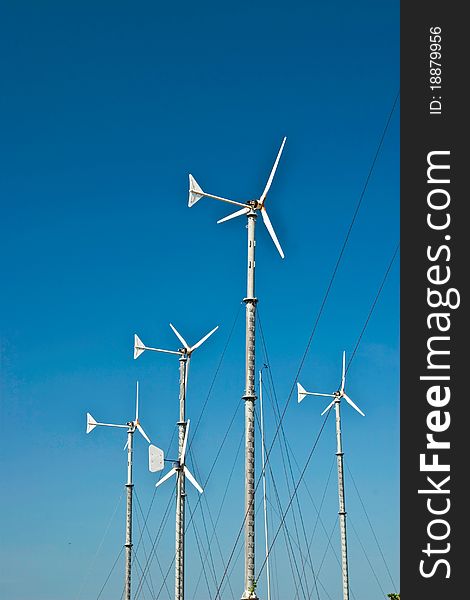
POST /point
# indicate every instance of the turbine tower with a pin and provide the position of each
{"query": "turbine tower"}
(131, 427)
(180, 470)
(250, 209)
(339, 460)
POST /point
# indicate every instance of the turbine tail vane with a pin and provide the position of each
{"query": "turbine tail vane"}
(156, 459)
(139, 347)
(90, 423)
(195, 191)
(301, 392)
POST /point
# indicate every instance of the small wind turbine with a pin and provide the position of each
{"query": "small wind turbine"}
(180, 470)
(302, 392)
(131, 427)
(249, 208)
(180, 464)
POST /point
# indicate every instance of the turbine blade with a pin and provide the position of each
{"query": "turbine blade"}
(202, 340)
(167, 476)
(90, 423)
(138, 346)
(125, 445)
(156, 459)
(301, 392)
(139, 427)
(191, 478)
(272, 233)
(271, 176)
(195, 191)
(185, 443)
(238, 213)
(343, 377)
(349, 401)
(137, 402)
(180, 337)
(328, 408)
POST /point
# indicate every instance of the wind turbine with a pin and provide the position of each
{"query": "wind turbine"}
(337, 396)
(131, 427)
(180, 470)
(249, 208)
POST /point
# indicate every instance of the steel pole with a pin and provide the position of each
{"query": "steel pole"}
(249, 398)
(342, 509)
(180, 487)
(128, 544)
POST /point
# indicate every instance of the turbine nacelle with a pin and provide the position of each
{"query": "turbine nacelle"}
(196, 193)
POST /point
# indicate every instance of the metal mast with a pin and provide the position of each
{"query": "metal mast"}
(249, 397)
(337, 396)
(180, 487)
(342, 507)
(180, 469)
(129, 489)
(249, 209)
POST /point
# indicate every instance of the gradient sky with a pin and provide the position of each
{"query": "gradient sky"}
(106, 108)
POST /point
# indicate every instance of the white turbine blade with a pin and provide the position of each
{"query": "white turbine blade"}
(90, 423)
(156, 459)
(137, 402)
(301, 392)
(349, 401)
(238, 213)
(195, 191)
(272, 233)
(167, 476)
(180, 337)
(328, 407)
(343, 377)
(139, 427)
(185, 443)
(191, 478)
(202, 340)
(271, 176)
(125, 445)
(138, 346)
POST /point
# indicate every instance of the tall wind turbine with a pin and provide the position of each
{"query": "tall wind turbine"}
(339, 459)
(131, 427)
(249, 208)
(180, 470)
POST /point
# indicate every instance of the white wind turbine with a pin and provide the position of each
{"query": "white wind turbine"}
(131, 427)
(302, 392)
(249, 208)
(180, 470)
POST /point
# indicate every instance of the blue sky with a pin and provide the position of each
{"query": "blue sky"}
(106, 108)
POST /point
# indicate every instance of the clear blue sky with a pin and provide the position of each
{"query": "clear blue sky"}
(106, 107)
